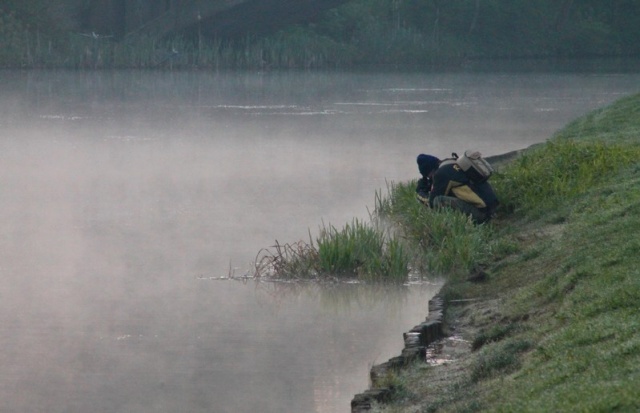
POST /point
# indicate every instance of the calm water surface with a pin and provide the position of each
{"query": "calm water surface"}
(127, 195)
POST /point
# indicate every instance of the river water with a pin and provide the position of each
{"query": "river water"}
(127, 198)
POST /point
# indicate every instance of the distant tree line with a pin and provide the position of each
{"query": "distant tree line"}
(90, 33)
(427, 31)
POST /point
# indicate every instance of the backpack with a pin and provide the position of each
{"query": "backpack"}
(475, 166)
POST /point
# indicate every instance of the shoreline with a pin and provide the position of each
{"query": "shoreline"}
(434, 342)
(416, 342)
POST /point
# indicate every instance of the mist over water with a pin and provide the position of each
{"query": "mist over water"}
(124, 194)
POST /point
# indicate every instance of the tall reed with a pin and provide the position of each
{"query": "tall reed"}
(362, 250)
(359, 250)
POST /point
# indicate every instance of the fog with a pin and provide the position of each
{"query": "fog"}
(126, 196)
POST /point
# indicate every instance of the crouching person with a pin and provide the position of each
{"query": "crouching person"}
(452, 188)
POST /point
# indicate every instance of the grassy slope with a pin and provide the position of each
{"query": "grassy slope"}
(562, 332)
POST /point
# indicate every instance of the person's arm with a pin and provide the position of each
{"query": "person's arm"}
(423, 189)
(440, 183)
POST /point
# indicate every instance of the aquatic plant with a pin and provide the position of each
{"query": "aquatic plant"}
(359, 250)
(287, 261)
(362, 250)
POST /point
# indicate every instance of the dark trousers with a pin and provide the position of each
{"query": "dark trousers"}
(476, 215)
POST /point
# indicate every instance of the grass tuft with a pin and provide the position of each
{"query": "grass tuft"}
(493, 334)
(360, 250)
(503, 358)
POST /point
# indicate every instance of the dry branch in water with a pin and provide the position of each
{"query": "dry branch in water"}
(294, 260)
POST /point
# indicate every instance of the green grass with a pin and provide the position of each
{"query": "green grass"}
(361, 250)
(502, 358)
(541, 182)
(564, 334)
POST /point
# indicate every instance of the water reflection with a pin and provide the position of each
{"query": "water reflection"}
(338, 347)
(343, 297)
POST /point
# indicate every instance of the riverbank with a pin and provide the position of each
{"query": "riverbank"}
(552, 325)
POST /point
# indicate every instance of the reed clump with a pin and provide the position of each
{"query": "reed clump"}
(360, 250)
